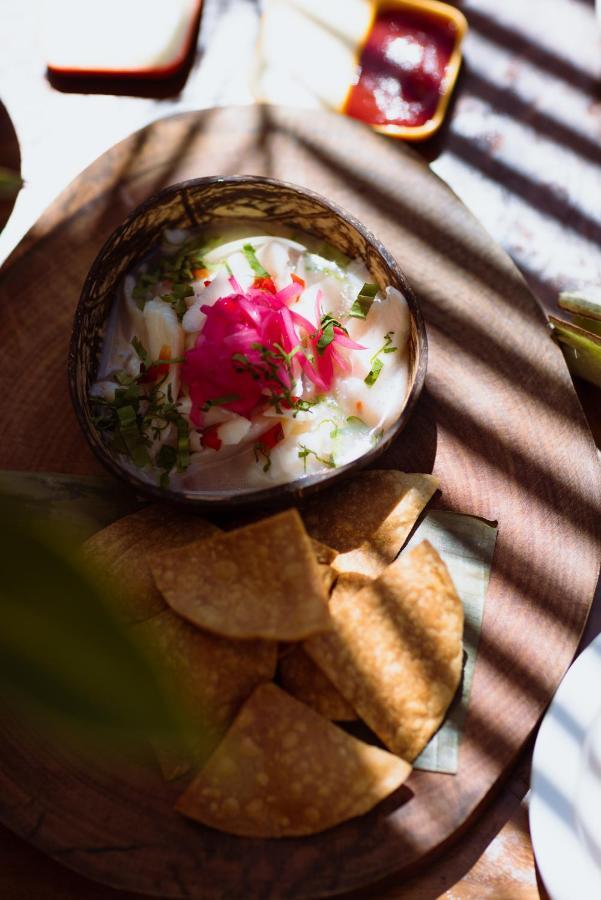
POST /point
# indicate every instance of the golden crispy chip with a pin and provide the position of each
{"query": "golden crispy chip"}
(395, 651)
(260, 581)
(210, 677)
(283, 770)
(325, 557)
(302, 678)
(299, 675)
(369, 518)
(119, 554)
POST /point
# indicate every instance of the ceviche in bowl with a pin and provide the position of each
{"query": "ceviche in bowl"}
(265, 342)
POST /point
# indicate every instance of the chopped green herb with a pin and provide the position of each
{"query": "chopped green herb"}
(306, 405)
(372, 376)
(261, 451)
(168, 362)
(268, 370)
(304, 452)
(355, 420)
(141, 352)
(387, 346)
(328, 323)
(364, 301)
(376, 363)
(220, 401)
(177, 298)
(183, 444)
(166, 457)
(335, 430)
(130, 434)
(123, 378)
(377, 437)
(251, 256)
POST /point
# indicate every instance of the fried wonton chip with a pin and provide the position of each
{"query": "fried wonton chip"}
(283, 770)
(325, 556)
(302, 678)
(260, 581)
(208, 676)
(369, 518)
(299, 675)
(395, 651)
(120, 552)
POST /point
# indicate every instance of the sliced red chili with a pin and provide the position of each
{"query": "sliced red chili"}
(154, 373)
(298, 280)
(265, 283)
(270, 438)
(210, 438)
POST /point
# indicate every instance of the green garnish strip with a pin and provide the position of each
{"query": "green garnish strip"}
(251, 256)
(327, 325)
(335, 430)
(146, 360)
(136, 419)
(304, 452)
(176, 269)
(261, 450)
(364, 301)
(280, 393)
(376, 363)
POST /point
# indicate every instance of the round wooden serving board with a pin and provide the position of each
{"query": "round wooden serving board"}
(499, 422)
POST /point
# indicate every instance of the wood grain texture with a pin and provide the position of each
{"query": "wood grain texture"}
(499, 423)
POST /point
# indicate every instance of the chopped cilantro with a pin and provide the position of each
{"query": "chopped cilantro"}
(268, 370)
(372, 376)
(251, 256)
(363, 303)
(355, 420)
(220, 401)
(376, 363)
(335, 430)
(137, 416)
(328, 323)
(304, 452)
(141, 352)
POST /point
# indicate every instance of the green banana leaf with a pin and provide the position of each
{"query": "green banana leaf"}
(64, 658)
(581, 348)
(585, 306)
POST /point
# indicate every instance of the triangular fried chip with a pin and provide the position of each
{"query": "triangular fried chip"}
(119, 554)
(208, 677)
(283, 770)
(325, 556)
(395, 651)
(299, 676)
(302, 678)
(368, 518)
(260, 581)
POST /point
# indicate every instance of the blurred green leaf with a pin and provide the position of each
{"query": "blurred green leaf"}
(79, 505)
(584, 304)
(10, 183)
(63, 654)
(581, 348)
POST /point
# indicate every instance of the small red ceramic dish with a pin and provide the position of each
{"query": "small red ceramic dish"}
(407, 67)
(135, 38)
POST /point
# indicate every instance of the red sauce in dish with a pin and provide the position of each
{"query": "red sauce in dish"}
(402, 68)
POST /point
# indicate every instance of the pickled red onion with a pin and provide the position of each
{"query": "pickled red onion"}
(238, 361)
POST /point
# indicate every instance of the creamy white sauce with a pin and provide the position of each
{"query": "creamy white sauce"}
(343, 423)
